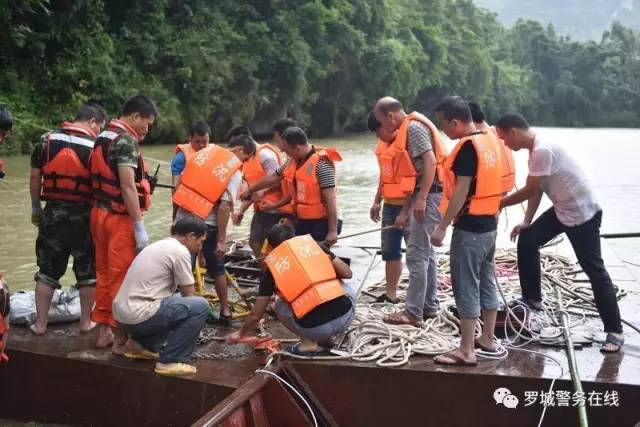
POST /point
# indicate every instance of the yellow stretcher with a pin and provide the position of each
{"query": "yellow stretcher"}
(240, 305)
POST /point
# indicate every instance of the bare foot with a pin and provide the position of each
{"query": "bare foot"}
(87, 327)
(119, 349)
(38, 329)
(105, 336)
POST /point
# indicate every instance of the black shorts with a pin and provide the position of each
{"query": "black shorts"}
(215, 265)
(318, 228)
(261, 223)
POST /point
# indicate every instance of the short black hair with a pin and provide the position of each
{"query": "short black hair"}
(91, 110)
(246, 142)
(455, 107)
(512, 120)
(372, 123)
(283, 124)
(238, 130)
(295, 136)
(477, 115)
(189, 224)
(6, 121)
(280, 233)
(199, 128)
(140, 104)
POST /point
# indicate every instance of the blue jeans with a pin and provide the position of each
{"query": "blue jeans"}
(391, 239)
(177, 324)
(321, 333)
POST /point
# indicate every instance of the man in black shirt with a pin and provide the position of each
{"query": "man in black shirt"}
(474, 232)
(316, 327)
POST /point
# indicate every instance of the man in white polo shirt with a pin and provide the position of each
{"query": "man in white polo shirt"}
(575, 212)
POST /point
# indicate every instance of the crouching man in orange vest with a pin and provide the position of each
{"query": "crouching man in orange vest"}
(209, 185)
(121, 193)
(472, 194)
(312, 302)
(309, 175)
(268, 208)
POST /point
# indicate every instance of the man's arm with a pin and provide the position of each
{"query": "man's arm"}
(188, 290)
(531, 188)
(428, 173)
(463, 183)
(374, 212)
(35, 188)
(126, 174)
(265, 183)
(222, 219)
(175, 180)
(331, 205)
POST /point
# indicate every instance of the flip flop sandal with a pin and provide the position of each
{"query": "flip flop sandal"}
(384, 298)
(176, 369)
(458, 361)
(612, 339)
(396, 319)
(321, 351)
(484, 348)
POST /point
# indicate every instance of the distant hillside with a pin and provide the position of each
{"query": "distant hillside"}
(579, 19)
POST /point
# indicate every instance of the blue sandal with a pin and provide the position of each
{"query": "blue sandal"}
(321, 351)
(612, 339)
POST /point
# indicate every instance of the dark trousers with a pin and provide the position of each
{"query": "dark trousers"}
(585, 240)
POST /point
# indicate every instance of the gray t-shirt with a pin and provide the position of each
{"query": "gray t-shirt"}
(155, 274)
(419, 141)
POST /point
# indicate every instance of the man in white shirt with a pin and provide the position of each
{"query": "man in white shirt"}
(575, 212)
(147, 308)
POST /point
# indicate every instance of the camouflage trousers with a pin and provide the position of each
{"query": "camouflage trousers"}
(63, 232)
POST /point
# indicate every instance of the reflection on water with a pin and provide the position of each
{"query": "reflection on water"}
(610, 157)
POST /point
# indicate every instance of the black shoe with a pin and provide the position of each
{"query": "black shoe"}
(384, 298)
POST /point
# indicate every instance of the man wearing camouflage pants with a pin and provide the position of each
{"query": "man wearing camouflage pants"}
(60, 175)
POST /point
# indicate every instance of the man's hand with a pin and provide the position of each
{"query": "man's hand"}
(237, 218)
(517, 229)
(36, 215)
(153, 181)
(142, 238)
(221, 248)
(331, 239)
(233, 337)
(420, 207)
(374, 212)
(245, 194)
(266, 206)
(401, 220)
(438, 236)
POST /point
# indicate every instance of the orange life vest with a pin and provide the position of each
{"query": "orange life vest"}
(65, 170)
(205, 179)
(508, 164)
(187, 150)
(488, 179)
(397, 173)
(303, 179)
(304, 275)
(104, 174)
(253, 172)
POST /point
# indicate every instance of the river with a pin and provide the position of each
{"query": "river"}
(610, 157)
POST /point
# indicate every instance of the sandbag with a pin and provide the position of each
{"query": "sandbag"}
(65, 307)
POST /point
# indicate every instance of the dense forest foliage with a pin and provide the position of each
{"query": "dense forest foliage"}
(321, 61)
